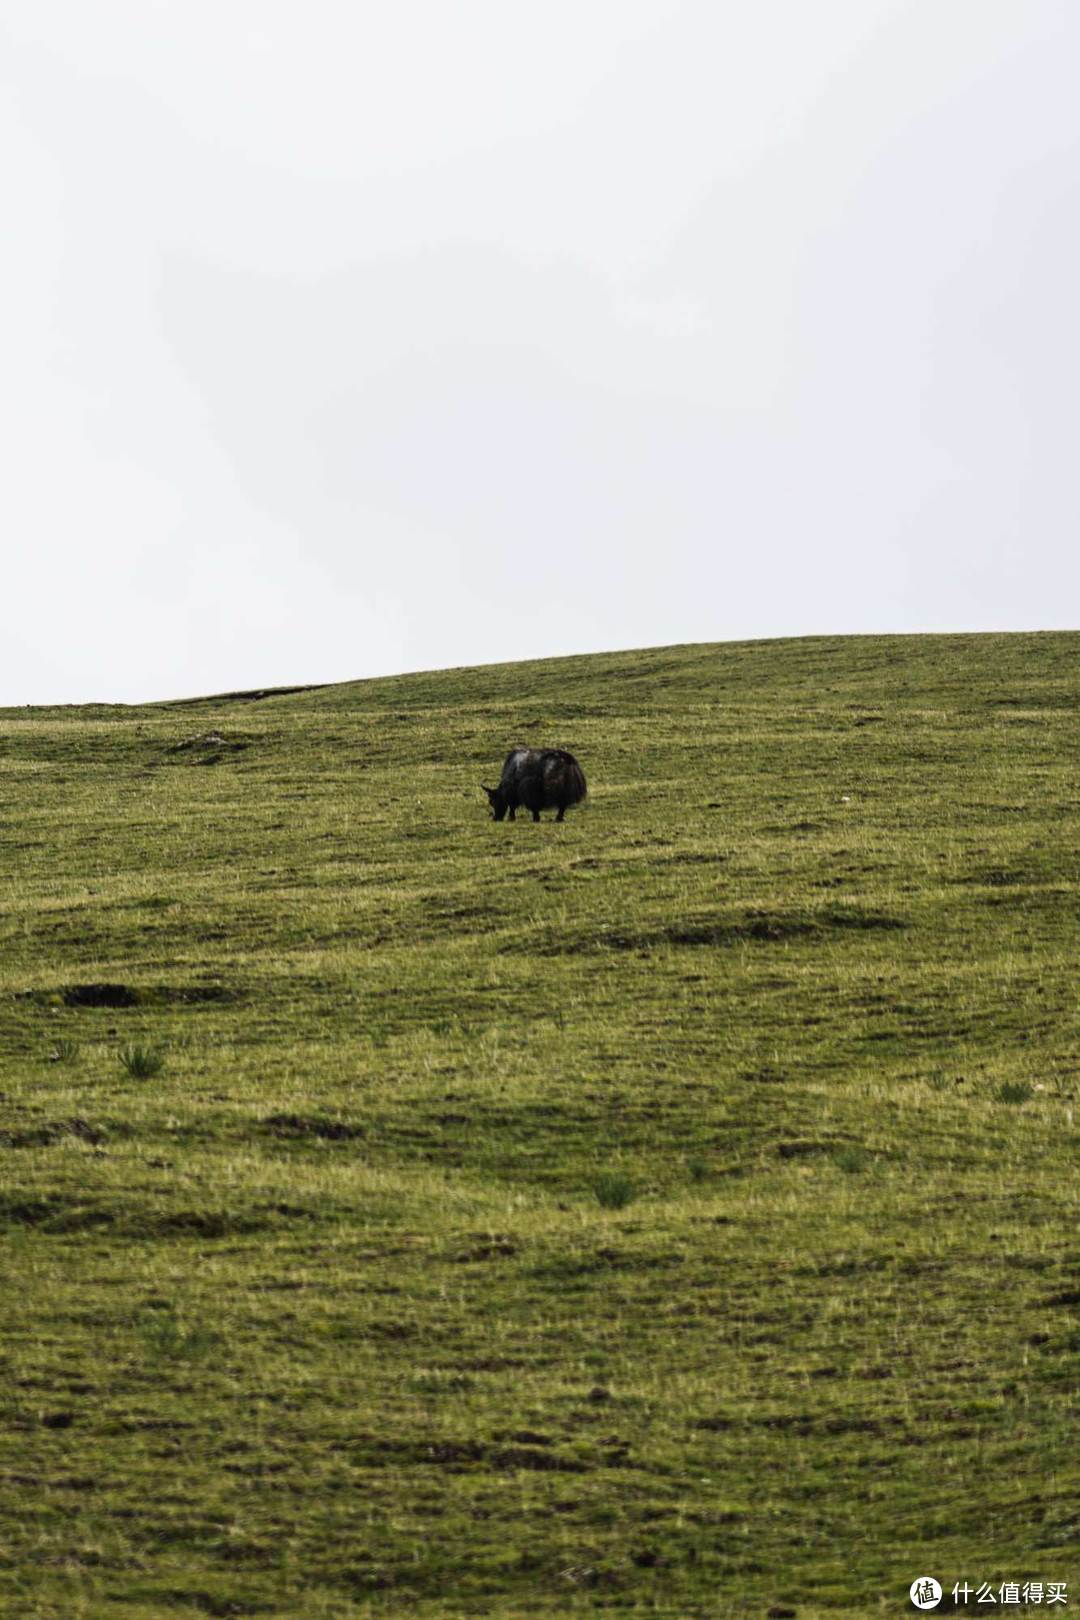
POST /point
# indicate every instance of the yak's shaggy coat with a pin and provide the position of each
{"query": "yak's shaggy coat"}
(540, 779)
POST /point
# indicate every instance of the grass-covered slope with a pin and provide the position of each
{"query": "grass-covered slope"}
(673, 1211)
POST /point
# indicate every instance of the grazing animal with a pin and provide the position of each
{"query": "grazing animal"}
(540, 779)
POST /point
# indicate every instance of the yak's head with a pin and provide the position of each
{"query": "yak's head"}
(496, 801)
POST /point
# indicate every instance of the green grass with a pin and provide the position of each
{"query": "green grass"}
(614, 1189)
(671, 1212)
(142, 1062)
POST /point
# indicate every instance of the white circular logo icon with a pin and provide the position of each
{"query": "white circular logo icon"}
(925, 1593)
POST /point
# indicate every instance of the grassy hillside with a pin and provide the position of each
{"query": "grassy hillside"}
(670, 1212)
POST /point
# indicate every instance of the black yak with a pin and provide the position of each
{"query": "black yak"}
(540, 779)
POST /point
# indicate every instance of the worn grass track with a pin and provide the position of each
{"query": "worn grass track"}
(671, 1212)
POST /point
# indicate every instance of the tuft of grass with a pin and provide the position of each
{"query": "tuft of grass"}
(65, 1051)
(142, 1062)
(614, 1189)
(166, 1337)
(1013, 1091)
(853, 1160)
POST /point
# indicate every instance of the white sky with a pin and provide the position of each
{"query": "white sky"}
(348, 337)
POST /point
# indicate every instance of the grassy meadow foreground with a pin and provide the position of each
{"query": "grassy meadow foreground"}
(670, 1212)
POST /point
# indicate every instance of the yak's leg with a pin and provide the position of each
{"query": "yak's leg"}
(562, 812)
(536, 815)
(510, 813)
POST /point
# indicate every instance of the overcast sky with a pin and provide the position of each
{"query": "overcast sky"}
(355, 336)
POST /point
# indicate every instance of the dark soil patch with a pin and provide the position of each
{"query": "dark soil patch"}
(51, 1131)
(486, 1248)
(312, 1126)
(15, 1211)
(1066, 1296)
(453, 1451)
(205, 1223)
(801, 1423)
(57, 1420)
(805, 1148)
(130, 995)
(1013, 877)
(754, 927)
(1033, 700)
(531, 1457)
(492, 1364)
(100, 995)
(61, 1215)
(470, 1453)
(54, 1214)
